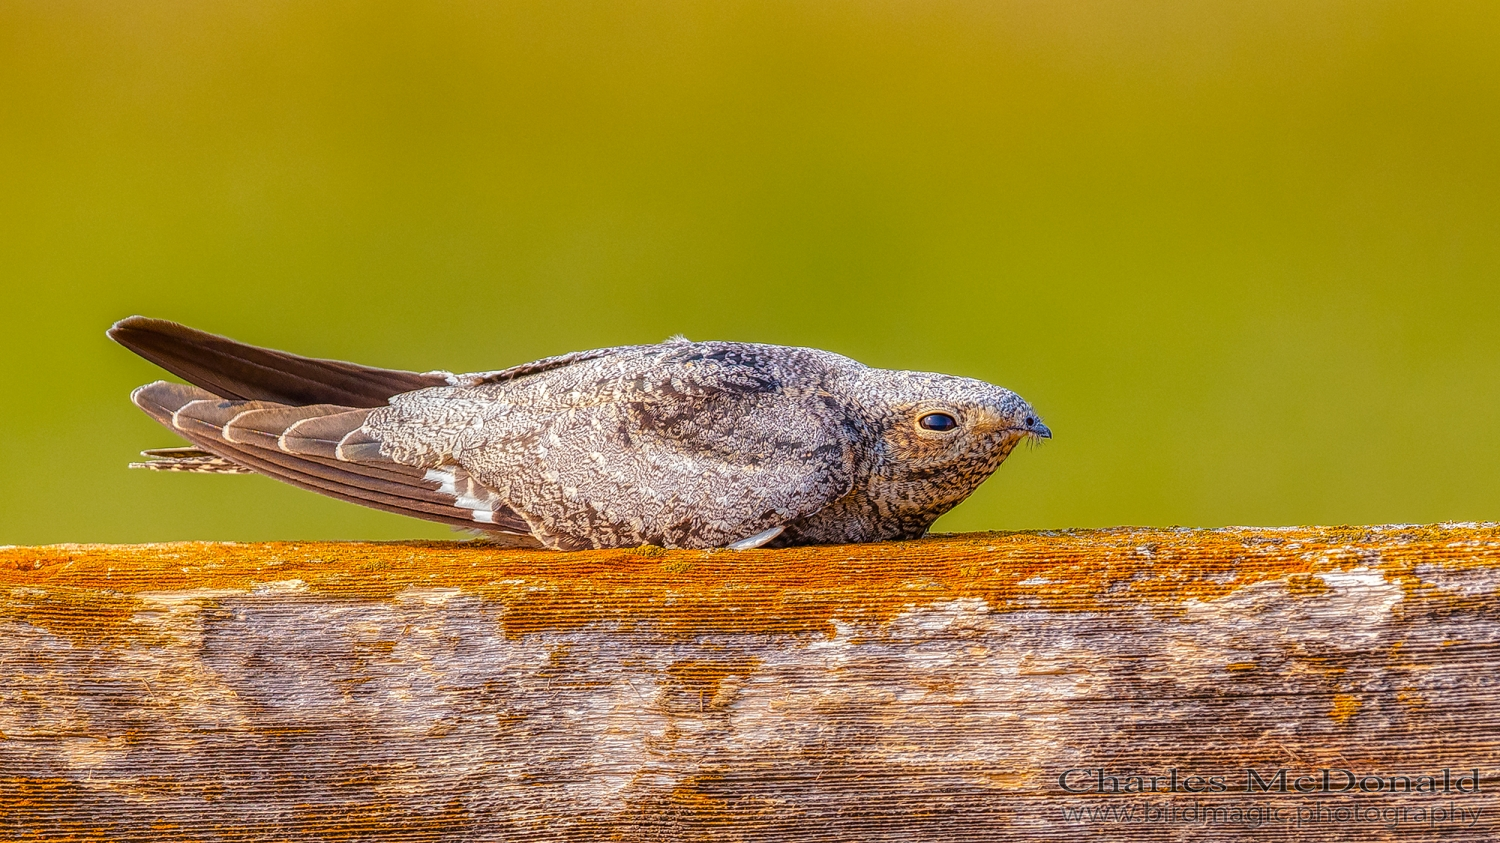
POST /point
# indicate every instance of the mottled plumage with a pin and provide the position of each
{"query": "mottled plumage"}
(680, 444)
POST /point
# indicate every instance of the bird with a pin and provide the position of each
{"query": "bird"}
(679, 444)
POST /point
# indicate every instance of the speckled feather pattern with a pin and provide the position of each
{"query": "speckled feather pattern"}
(680, 444)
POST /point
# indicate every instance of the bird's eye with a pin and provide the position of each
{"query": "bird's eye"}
(940, 422)
(1031, 421)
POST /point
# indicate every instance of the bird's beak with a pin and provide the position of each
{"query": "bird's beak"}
(1040, 431)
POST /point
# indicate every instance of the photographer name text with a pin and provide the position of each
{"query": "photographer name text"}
(1323, 780)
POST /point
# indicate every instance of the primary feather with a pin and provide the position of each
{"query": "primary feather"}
(231, 369)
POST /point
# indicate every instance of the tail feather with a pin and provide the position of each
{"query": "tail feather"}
(298, 431)
(193, 460)
(231, 369)
(302, 446)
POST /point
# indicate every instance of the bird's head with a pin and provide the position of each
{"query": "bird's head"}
(942, 435)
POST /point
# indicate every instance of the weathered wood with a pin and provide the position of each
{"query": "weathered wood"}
(922, 690)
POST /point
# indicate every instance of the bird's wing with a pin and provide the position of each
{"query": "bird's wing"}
(231, 369)
(676, 446)
(320, 447)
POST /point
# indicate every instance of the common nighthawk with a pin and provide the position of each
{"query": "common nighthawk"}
(680, 444)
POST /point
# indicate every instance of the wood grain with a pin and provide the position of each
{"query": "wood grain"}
(928, 690)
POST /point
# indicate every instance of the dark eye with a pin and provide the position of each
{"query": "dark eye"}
(1031, 421)
(940, 422)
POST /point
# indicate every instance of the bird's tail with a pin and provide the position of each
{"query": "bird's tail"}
(322, 448)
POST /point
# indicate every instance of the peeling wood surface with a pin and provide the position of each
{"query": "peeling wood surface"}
(930, 690)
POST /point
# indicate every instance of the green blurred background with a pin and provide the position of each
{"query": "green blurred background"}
(1242, 256)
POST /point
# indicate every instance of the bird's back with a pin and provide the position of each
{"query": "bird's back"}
(678, 444)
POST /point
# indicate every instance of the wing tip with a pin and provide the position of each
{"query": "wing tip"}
(120, 329)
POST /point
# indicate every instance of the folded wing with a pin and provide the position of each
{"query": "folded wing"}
(231, 369)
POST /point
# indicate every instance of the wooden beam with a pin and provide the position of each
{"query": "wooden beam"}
(976, 687)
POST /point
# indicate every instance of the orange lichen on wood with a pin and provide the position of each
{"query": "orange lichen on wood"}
(933, 689)
(1345, 706)
(791, 590)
